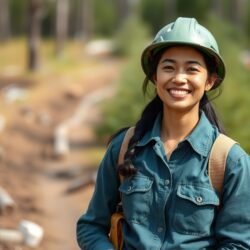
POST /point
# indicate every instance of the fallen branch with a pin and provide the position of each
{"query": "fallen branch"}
(7, 204)
(80, 183)
(61, 133)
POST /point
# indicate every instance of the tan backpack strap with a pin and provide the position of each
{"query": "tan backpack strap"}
(217, 160)
(124, 146)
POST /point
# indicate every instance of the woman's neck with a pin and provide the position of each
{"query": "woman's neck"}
(176, 126)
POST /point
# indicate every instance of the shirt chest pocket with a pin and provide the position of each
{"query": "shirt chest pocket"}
(195, 208)
(136, 193)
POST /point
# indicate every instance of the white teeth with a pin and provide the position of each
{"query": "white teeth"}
(178, 92)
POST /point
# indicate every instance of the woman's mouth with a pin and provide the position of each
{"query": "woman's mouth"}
(179, 93)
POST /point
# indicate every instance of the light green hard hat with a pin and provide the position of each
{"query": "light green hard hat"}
(184, 31)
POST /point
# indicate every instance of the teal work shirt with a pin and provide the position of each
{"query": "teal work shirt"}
(170, 204)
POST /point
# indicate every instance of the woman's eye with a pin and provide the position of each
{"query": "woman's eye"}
(168, 68)
(193, 69)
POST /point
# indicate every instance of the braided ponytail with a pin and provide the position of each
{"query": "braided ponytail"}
(145, 123)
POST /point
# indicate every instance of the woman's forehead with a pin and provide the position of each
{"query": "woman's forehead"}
(182, 53)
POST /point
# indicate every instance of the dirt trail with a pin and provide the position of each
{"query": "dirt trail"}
(55, 202)
(35, 178)
(62, 211)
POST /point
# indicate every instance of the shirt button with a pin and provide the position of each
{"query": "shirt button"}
(160, 230)
(167, 182)
(199, 199)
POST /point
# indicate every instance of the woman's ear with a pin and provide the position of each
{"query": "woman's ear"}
(211, 81)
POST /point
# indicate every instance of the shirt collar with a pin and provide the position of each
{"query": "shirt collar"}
(154, 134)
(200, 139)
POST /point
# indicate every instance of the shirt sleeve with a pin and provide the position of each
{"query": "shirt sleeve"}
(233, 220)
(93, 226)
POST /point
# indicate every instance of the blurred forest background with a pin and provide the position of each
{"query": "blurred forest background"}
(129, 25)
(70, 70)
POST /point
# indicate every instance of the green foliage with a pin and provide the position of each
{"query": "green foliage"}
(125, 108)
(130, 38)
(233, 105)
(18, 14)
(158, 13)
(105, 16)
(153, 13)
(196, 8)
(48, 24)
(247, 23)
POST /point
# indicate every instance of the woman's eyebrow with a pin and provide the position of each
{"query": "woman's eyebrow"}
(168, 60)
(193, 62)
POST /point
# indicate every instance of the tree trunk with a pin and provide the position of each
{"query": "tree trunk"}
(87, 18)
(62, 18)
(237, 12)
(171, 10)
(123, 10)
(4, 20)
(217, 7)
(34, 33)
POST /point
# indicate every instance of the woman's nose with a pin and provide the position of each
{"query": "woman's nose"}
(180, 78)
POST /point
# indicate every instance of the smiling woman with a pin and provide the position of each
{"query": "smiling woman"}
(181, 79)
(168, 199)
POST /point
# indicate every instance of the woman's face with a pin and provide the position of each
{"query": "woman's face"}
(181, 78)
